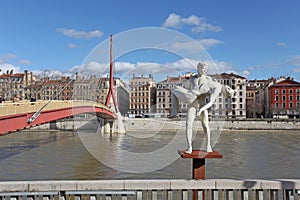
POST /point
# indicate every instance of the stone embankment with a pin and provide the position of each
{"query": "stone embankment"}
(229, 124)
(163, 124)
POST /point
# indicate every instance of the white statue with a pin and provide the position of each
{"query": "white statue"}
(201, 86)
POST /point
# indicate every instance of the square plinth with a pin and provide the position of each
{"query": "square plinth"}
(198, 154)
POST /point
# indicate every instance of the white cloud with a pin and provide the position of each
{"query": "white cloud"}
(72, 46)
(8, 67)
(10, 56)
(80, 34)
(194, 45)
(51, 73)
(25, 62)
(293, 60)
(5, 58)
(198, 24)
(207, 43)
(296, 70)
(281, 44)
(245, 72)
(173, 21)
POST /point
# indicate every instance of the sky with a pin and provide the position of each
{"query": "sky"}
(257, 39)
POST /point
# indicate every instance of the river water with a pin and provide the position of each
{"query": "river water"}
(58, 155)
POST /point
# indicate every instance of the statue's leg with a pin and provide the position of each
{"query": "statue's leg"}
(175, 106)
(191, 114)
(206, 129)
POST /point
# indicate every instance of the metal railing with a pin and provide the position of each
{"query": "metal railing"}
(211, 189)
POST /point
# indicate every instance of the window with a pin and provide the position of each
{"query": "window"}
(276, 91)
(276, 98)
(283, 91)
(291, 105)
(277, 105)
(291, 98)
(291, 91)
(283, 105)
(283, 98)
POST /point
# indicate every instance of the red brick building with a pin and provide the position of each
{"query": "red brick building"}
(284, 98)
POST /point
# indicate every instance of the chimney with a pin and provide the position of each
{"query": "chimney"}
(26, 77)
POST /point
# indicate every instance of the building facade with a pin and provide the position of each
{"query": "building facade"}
(253, 106)
(164, 91)
(283, 98)
(47, 89)
(142, 95)
(96, 89)
(14, 85)
(234, 107)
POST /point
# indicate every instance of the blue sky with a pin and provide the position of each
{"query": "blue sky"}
(257, 39)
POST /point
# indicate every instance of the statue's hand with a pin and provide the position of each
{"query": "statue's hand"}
(200, 111)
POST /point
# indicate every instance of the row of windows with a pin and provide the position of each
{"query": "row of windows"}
(139, 106)
(226, 113)
(283, 98)
(139, 100)
(291, 105)
(291, 91)
(159, 86)
(140, 94)
(139, 88)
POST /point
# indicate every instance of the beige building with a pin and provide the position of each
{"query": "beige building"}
(236, 106)
(96, 89)
(48, 89)
(163, 94)
(253, 107)
(14, 85)
(142, 95)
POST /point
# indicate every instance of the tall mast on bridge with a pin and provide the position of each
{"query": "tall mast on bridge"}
(111, 92)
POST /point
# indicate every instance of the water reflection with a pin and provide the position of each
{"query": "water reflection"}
(61, 155)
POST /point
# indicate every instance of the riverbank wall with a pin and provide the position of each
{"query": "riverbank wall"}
(232, 124)
(163, 124)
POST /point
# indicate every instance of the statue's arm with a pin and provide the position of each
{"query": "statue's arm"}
(216, 89)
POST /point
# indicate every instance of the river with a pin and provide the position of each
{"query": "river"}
(59, 155)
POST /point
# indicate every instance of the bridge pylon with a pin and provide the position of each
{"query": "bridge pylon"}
(117, 125)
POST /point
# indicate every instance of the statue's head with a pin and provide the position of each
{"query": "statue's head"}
(202, 68)
(227, 91)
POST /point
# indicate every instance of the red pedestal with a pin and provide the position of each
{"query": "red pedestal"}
(199, 157)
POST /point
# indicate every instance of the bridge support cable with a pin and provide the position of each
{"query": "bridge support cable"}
(38, 112)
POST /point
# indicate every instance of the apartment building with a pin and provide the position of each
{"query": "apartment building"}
(231, 107)
(253, 107)
(283, 98)
(96, 89)
(15, 84)
(142, 95)
(48, 89)
(163, 94)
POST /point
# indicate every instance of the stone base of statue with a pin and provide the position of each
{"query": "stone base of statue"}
(199, 157)
(198, 172)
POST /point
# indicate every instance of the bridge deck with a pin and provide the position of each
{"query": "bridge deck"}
(14, 116)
